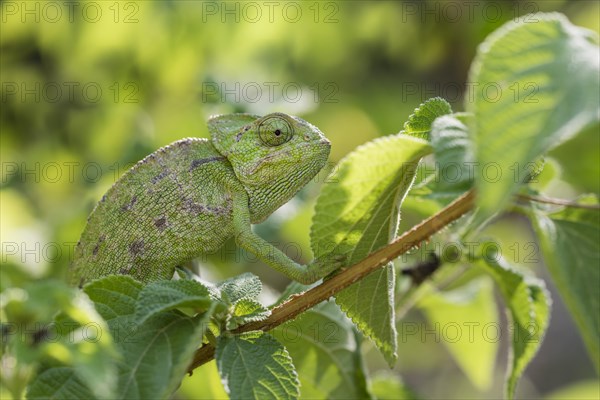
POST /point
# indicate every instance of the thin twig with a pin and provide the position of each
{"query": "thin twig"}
(299, 303)
(559, 202)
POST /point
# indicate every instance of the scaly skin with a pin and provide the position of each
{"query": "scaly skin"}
(189, 197)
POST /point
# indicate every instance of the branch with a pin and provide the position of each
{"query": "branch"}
(559, 202)
(299, 303)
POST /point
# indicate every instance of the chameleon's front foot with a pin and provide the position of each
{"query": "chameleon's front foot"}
(321, 267)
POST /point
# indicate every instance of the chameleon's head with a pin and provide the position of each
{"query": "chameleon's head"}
(272, 156)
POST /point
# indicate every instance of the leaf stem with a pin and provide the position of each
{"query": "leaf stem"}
(559, 202)
(299, 303)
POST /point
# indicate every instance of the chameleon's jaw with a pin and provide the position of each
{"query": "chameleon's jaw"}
(274, 182)
(304, 154)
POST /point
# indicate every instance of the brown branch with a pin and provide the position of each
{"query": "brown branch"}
(299, 303)
(559, 202)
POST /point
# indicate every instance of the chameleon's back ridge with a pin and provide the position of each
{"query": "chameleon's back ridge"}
(161, 213)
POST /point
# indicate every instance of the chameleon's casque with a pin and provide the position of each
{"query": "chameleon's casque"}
(189, 197)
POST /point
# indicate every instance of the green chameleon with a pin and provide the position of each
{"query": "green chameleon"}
(189, 197)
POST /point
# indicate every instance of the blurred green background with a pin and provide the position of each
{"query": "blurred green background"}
(88, 88)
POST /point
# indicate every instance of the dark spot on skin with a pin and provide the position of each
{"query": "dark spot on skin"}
(161, 223)
(136, 247)
(239, 135)
(126, 271)
(196, 209)
(221, 210)
(158, 177)
(129, 206)
(103, 199)
(97, 246)
(81, 282)
(197, 163)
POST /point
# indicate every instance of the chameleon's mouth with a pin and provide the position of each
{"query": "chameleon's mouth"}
(312, 159)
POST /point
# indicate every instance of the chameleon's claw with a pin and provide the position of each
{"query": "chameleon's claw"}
(332, 262)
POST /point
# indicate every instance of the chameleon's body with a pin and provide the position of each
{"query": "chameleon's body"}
(188, 198)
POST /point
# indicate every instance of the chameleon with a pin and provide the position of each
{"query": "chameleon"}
(189, 197)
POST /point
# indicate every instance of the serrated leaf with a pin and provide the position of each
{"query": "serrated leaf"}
(369, 304)
(326, 353)
(77, 337)
(465, 311)
(523, 103)
(114, 296)
(58, 383)
(528, 303)
(419, 123)
(453, 153)
(244, 286)
(254, 365)
(162, 296)
(246, 310)
(570, 242)
(356, 214)
(155, 354)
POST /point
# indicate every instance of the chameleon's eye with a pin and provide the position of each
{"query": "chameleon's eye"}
(275, 130)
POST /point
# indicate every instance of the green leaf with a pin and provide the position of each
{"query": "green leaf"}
(92, 352)
(387, 386)
(419, 123)
(76, 338)
(58, 383)
(453, 153)
(326, 353)
(537, 84)
(114, 296)
(246, 310)
(244, 286)
(369, 304)
(254, 365)
(155, 354)
(162, 296)
(583, 174)
(529, 304)
(356, 214)
(462, 315)
(570, 242)
(550, 171)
